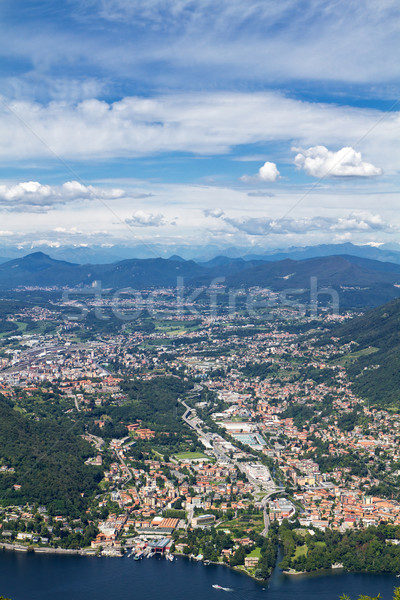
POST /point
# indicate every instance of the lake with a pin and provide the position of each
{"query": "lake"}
(48, 577)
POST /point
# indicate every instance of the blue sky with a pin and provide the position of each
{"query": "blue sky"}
(264, 123)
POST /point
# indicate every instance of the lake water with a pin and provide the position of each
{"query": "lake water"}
(47, 577)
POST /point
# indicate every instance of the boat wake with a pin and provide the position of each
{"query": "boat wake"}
(223, 589)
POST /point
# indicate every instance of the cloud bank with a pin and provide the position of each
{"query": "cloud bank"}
(356, 221)
(203, 123)
(32, 196)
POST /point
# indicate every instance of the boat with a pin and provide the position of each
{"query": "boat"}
(219, 587)
(170, 557)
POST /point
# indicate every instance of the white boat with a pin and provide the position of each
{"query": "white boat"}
(170, 557)
(219, 587)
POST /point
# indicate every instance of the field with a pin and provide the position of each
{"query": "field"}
(191, 456)
(353, 356)
(303, 550)
(256, 552)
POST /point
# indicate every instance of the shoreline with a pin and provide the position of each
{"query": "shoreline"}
(238, 569)
(335, 567)
(6, 547)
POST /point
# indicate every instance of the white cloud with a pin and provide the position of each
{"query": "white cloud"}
(268, 173)
(144, 219)
(70, 231)
(320, 162)
(39, 243)
(362, 221)
(32, 196)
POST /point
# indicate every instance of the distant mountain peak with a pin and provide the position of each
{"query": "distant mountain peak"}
(177, 258)
(37, 254)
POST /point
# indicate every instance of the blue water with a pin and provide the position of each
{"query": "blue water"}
(41, 577)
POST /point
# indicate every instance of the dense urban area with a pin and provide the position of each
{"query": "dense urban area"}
(234, 437)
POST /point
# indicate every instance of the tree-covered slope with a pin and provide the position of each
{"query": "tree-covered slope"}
(48, 459)
(154, 402)
(376, 375)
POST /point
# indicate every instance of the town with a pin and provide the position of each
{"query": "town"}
(208, 430)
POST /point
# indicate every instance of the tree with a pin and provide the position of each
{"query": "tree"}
(238, 557)
(363, 597)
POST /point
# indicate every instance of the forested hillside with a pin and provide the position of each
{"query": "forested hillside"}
(48, 459)
(376, 371)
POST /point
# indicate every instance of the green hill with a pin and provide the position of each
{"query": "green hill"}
(49, 463)
(376, 374)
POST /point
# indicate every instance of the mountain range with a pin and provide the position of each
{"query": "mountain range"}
(115, 253)
(360, 282)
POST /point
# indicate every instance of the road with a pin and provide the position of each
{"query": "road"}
(190, 515)
(97, 441)
(122, 461)
(77, 404)
(193, 424)
(264, 502)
